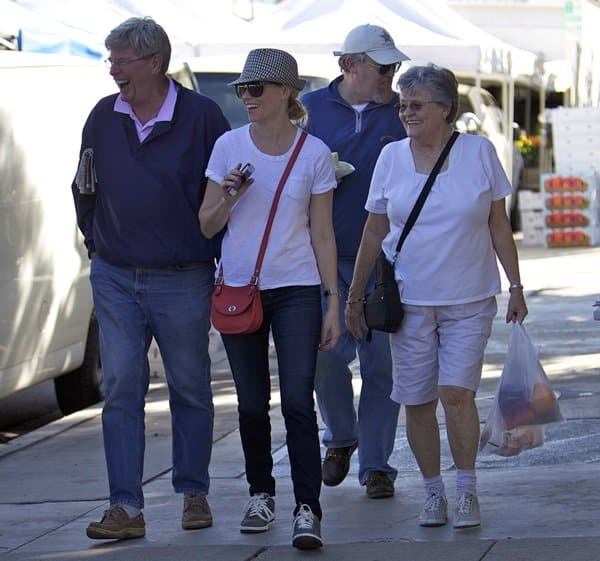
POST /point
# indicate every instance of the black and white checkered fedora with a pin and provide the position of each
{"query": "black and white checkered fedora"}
(270, 65)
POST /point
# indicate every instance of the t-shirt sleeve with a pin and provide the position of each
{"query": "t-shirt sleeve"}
(217, 163)
(499, 183)
(324, 176)
(376, 199)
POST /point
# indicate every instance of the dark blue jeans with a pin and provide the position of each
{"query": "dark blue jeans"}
(132, 305)
(293, 313)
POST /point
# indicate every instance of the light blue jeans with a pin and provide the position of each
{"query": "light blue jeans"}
(373, 427)
(172, 304)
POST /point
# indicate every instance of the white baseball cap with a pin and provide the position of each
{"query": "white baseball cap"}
(373, 40)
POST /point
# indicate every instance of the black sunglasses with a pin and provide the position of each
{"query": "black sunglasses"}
(255, 89)
(383, 69)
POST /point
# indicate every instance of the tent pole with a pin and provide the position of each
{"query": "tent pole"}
(478, 95)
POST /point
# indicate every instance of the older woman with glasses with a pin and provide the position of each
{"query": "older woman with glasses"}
(447, 275)
(300, 255)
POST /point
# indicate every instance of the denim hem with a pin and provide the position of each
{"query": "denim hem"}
(340, 443)
(191, 491)
(392, 475)
(128, 502)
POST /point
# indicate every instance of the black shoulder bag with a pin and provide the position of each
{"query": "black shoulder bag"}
(383, 307)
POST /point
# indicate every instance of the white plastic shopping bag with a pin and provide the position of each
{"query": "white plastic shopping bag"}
(524, 401)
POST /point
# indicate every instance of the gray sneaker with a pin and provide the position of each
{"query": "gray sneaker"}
(435, 511)
(258, 514)
(307, 529)
(466, 513)
(196, 513)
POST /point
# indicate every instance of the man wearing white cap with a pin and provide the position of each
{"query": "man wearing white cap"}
(356, 116)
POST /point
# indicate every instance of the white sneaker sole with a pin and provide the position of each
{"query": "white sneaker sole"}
(256, 529)
(467, 524)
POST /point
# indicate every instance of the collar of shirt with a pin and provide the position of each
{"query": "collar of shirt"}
(165, 112)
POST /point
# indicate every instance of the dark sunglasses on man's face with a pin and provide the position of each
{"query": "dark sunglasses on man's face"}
(383, 69)
(255, 89)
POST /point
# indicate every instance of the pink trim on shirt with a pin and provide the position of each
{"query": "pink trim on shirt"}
(165, 112)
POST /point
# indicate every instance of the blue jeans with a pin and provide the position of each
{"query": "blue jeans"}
(172, 304)
(293, 313)
(374, 427)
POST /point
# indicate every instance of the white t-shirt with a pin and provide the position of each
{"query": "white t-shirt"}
(289, 258)
(448, 256)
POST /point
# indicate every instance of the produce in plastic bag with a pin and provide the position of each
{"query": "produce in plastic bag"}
(524, 401)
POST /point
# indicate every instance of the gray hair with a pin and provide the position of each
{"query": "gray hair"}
(144, 35)
(346, 61)
(440, 82)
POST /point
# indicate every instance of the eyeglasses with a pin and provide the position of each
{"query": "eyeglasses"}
(121, 62)
(255, 89)
(383, 69)
(415, 106)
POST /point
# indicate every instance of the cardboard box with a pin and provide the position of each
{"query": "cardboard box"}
(531, 200)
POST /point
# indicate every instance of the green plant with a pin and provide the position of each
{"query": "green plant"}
(529, 146)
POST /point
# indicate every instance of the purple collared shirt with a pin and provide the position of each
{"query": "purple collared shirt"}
(165, 112)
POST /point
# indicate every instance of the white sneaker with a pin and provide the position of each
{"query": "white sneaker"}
(466, 513)
(259, 512)
(435, 511)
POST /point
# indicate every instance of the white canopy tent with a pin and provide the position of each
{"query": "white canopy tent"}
(426, 30)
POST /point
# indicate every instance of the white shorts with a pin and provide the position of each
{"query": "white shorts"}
(440, 346)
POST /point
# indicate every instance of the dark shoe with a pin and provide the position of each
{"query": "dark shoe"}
(379, 486)
(336, 465)
(307, 529)
(116, 525)
(259, 513)
(196, 513)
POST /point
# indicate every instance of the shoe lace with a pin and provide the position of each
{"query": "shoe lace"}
(378, 478)
(258, 506)
(465, 504)
(195, 501)
(340, 453)
(114, 512)
(305, 518)
(434, 503)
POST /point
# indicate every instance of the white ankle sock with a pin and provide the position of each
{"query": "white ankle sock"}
(132, 511)
(434, 485)
(466, 482)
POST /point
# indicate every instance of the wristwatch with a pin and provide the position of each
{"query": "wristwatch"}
(331, 292)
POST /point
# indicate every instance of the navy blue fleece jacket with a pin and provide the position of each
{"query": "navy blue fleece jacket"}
(358, 138)
(145, 210)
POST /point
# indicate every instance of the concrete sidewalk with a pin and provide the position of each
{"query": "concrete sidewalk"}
(543, 505)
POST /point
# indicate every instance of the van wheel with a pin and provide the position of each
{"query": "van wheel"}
(82, 387)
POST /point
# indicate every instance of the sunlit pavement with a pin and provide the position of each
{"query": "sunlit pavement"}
(541, 505)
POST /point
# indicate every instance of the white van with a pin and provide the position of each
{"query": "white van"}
(47, 325)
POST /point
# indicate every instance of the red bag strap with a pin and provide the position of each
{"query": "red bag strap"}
(263, 245)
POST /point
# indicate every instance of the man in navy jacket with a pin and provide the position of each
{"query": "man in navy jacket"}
(356, 115)
(137, 194)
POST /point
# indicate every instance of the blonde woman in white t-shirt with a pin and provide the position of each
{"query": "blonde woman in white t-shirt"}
(300, 256)
(447, 275)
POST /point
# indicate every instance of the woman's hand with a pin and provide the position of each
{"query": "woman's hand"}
(233, 185)
(355, 318)
(517, 309)
(218, 200)
(330, 332)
